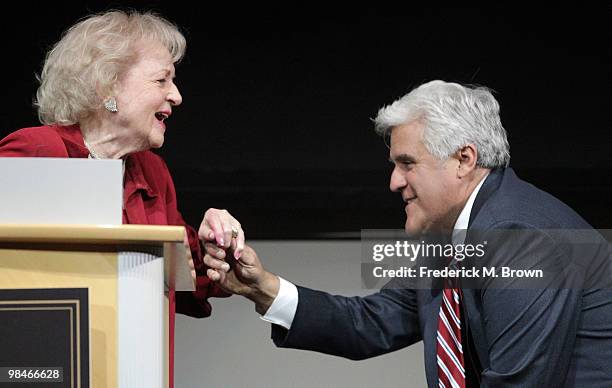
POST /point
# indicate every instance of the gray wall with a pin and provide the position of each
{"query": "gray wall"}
(232, 348)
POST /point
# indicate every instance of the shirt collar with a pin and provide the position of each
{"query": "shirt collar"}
(463, 220)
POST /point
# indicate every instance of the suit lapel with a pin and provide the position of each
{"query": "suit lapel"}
(490, 186)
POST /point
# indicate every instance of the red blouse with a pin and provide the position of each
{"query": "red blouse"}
(149, 196)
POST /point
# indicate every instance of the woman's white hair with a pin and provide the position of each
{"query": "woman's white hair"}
(81, 70)
(453, 116)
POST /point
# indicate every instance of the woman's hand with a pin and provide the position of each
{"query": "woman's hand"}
(220, 227)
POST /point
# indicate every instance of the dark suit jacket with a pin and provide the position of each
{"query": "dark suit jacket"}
(558, 337)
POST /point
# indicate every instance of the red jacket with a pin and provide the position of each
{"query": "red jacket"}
(149, 196)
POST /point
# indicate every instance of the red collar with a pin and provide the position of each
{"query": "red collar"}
(73, 140)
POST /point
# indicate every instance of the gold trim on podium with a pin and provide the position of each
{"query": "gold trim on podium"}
(91, 234)
(86, 256)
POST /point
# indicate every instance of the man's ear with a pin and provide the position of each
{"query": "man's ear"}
(467, 157)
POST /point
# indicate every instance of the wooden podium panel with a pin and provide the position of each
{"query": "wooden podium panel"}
(96, 271)
(106, 262)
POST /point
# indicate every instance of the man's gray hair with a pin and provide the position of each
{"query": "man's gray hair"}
(453, 116)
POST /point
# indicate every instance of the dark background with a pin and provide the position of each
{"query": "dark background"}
(277, 102)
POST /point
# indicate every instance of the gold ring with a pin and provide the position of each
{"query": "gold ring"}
(234, 232)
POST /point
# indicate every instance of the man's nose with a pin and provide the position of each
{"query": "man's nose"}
(397, 182)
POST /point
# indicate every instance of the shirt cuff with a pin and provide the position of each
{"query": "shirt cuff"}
(282, 311)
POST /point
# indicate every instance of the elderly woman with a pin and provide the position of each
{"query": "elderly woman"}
(107, 88)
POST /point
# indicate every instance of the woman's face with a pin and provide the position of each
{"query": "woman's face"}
(145, 97)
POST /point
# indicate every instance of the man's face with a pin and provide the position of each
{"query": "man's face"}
(429, 187)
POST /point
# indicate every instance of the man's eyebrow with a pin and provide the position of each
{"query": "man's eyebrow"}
(402, 158)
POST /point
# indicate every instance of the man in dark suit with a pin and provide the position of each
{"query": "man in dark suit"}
(451, 156)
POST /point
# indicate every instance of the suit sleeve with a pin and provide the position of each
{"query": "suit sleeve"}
(530, 327)
(352, 327)
(194, 303)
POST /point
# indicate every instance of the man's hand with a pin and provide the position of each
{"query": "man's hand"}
(219, 226)
(245, 276)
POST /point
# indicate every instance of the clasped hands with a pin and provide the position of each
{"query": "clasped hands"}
(219, 226)
(236, 266)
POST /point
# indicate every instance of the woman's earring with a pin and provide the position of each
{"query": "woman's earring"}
(110, 104)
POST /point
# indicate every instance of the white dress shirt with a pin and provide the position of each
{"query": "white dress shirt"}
(283, 308)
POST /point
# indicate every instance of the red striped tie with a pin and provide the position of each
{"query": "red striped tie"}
(451, 371)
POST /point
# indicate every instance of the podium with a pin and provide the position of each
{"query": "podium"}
(87, 305)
